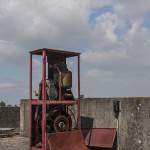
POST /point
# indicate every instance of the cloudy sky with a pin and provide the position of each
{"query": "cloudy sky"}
(112, 35)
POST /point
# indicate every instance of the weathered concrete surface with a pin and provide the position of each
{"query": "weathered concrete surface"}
(24, 118)
(9, 117)
(97, 113)
(14, 143)
(133, 123)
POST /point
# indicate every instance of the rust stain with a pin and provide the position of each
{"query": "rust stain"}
(70, 140)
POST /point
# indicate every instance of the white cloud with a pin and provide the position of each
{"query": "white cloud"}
(110, 58)
(107, 23)
(10, 53)
(46, 22)
(103, 35)
(4, 86)
(131, 8)
(103, 56)
(137, 40)
(96, 73)
(11, 85)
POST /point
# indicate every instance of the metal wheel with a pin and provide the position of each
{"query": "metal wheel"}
(61, 123)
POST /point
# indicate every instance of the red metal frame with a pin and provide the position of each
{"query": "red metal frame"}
(30, 96)
(53, 102)
(79, 122)
(45, 102)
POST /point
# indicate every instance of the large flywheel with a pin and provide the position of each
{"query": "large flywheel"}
(59, 122)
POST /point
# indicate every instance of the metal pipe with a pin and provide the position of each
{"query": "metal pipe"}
(44, 100)
(79, 121)
(30, 98)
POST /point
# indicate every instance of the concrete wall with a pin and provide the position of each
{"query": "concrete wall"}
(133, 122)
(9, 117)
(24, 118)
(100, 111)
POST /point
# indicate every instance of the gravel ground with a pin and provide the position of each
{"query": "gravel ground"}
(14, 143)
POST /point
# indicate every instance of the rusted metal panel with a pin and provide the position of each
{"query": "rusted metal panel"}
(71, 140)
(99, 137)
(55, 52)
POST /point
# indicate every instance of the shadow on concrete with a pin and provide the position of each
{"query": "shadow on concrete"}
(86, 122)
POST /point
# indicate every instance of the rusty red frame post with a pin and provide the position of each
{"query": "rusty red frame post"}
(30, 95)
(44, 100)
(78, 104)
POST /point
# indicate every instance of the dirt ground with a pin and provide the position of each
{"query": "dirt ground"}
(14, 143)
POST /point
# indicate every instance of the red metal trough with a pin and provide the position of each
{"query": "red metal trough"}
(71, 140)
(99, 137)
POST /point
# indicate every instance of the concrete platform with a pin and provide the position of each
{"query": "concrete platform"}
(6, 132)
(14, 143)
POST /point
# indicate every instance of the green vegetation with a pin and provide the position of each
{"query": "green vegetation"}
(2, 104)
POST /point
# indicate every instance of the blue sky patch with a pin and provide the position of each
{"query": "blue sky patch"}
(97, 12)
(146, 20)
(122, 30)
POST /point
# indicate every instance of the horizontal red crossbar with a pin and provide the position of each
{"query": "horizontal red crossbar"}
(53, 102)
